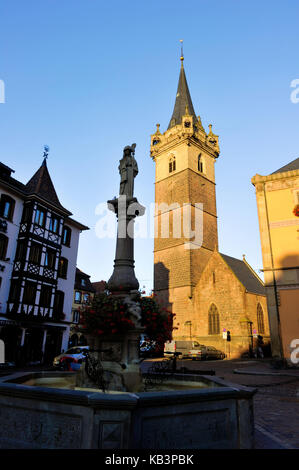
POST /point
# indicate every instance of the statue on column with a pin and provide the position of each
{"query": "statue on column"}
(128, 170)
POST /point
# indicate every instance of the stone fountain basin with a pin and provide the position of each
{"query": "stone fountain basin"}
(203, 413)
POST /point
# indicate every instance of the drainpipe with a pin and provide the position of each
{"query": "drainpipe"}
(274, 279)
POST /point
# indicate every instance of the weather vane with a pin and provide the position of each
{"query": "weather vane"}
(182, 53)
(46, 151)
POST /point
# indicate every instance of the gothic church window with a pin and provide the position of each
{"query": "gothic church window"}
(172, 165)
(200, 163)
(214, 324)
(260, 319)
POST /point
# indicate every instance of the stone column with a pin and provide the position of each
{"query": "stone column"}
(123, 279)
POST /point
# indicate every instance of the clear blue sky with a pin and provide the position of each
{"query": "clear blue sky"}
(88, 77)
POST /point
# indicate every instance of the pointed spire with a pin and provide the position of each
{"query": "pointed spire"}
(41, 183)
(183, 98)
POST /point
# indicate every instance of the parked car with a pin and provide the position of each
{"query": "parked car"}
(193, 350)
(184, 347)
(206, 353)
(76, 353)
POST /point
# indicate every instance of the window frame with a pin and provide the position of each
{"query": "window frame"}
(38, 211)
(63, 268)
(213, 320)
(66, 241)
(50, 254)
(6, 199)
(45, 296)
(32, 255)
(29, 298)
(75, 300)
(3, 247)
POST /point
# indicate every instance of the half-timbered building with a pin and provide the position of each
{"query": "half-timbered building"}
(38, 253)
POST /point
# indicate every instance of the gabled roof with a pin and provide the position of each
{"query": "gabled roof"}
(182, 100)
(41, 185)
(294, 165)
(245, 274)
(78, 284)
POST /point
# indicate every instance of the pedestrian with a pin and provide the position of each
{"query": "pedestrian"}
(258, 351)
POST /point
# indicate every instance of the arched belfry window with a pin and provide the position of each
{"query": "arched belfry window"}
(214, 323)
(200, 163)
(260, 319)
(172, 164)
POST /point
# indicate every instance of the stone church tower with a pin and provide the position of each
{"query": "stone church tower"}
(209, 292)
(184, 155)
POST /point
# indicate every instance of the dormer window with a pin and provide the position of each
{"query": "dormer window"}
(200, 163)
(172, 164)
(156, 141)
(187, 123)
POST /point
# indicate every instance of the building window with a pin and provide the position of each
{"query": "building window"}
(54, 225)
(3, 246)
(15, 288)
(50, 258)
(21, 251)
(172, 165)
(214, 324)
(76, 316)
(77, 297)
(62, 269)
(86, 298)
(40, 217)
(58, 301)
(260, 319)
(7, 206)
(45, 296)
(27, 214)
(83, 282)
(35, 253)
(66, 236)
(29, 294)
(200, 163)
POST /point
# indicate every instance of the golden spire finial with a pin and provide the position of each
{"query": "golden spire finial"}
(182, 53)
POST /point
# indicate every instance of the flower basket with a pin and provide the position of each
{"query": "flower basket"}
(296, 210)
(109, 316)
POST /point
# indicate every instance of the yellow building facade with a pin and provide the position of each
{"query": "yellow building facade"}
(277, 195)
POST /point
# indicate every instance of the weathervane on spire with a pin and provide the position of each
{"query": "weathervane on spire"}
(46, 152)
(182, 52)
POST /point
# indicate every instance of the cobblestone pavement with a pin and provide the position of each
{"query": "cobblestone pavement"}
(276, 403)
